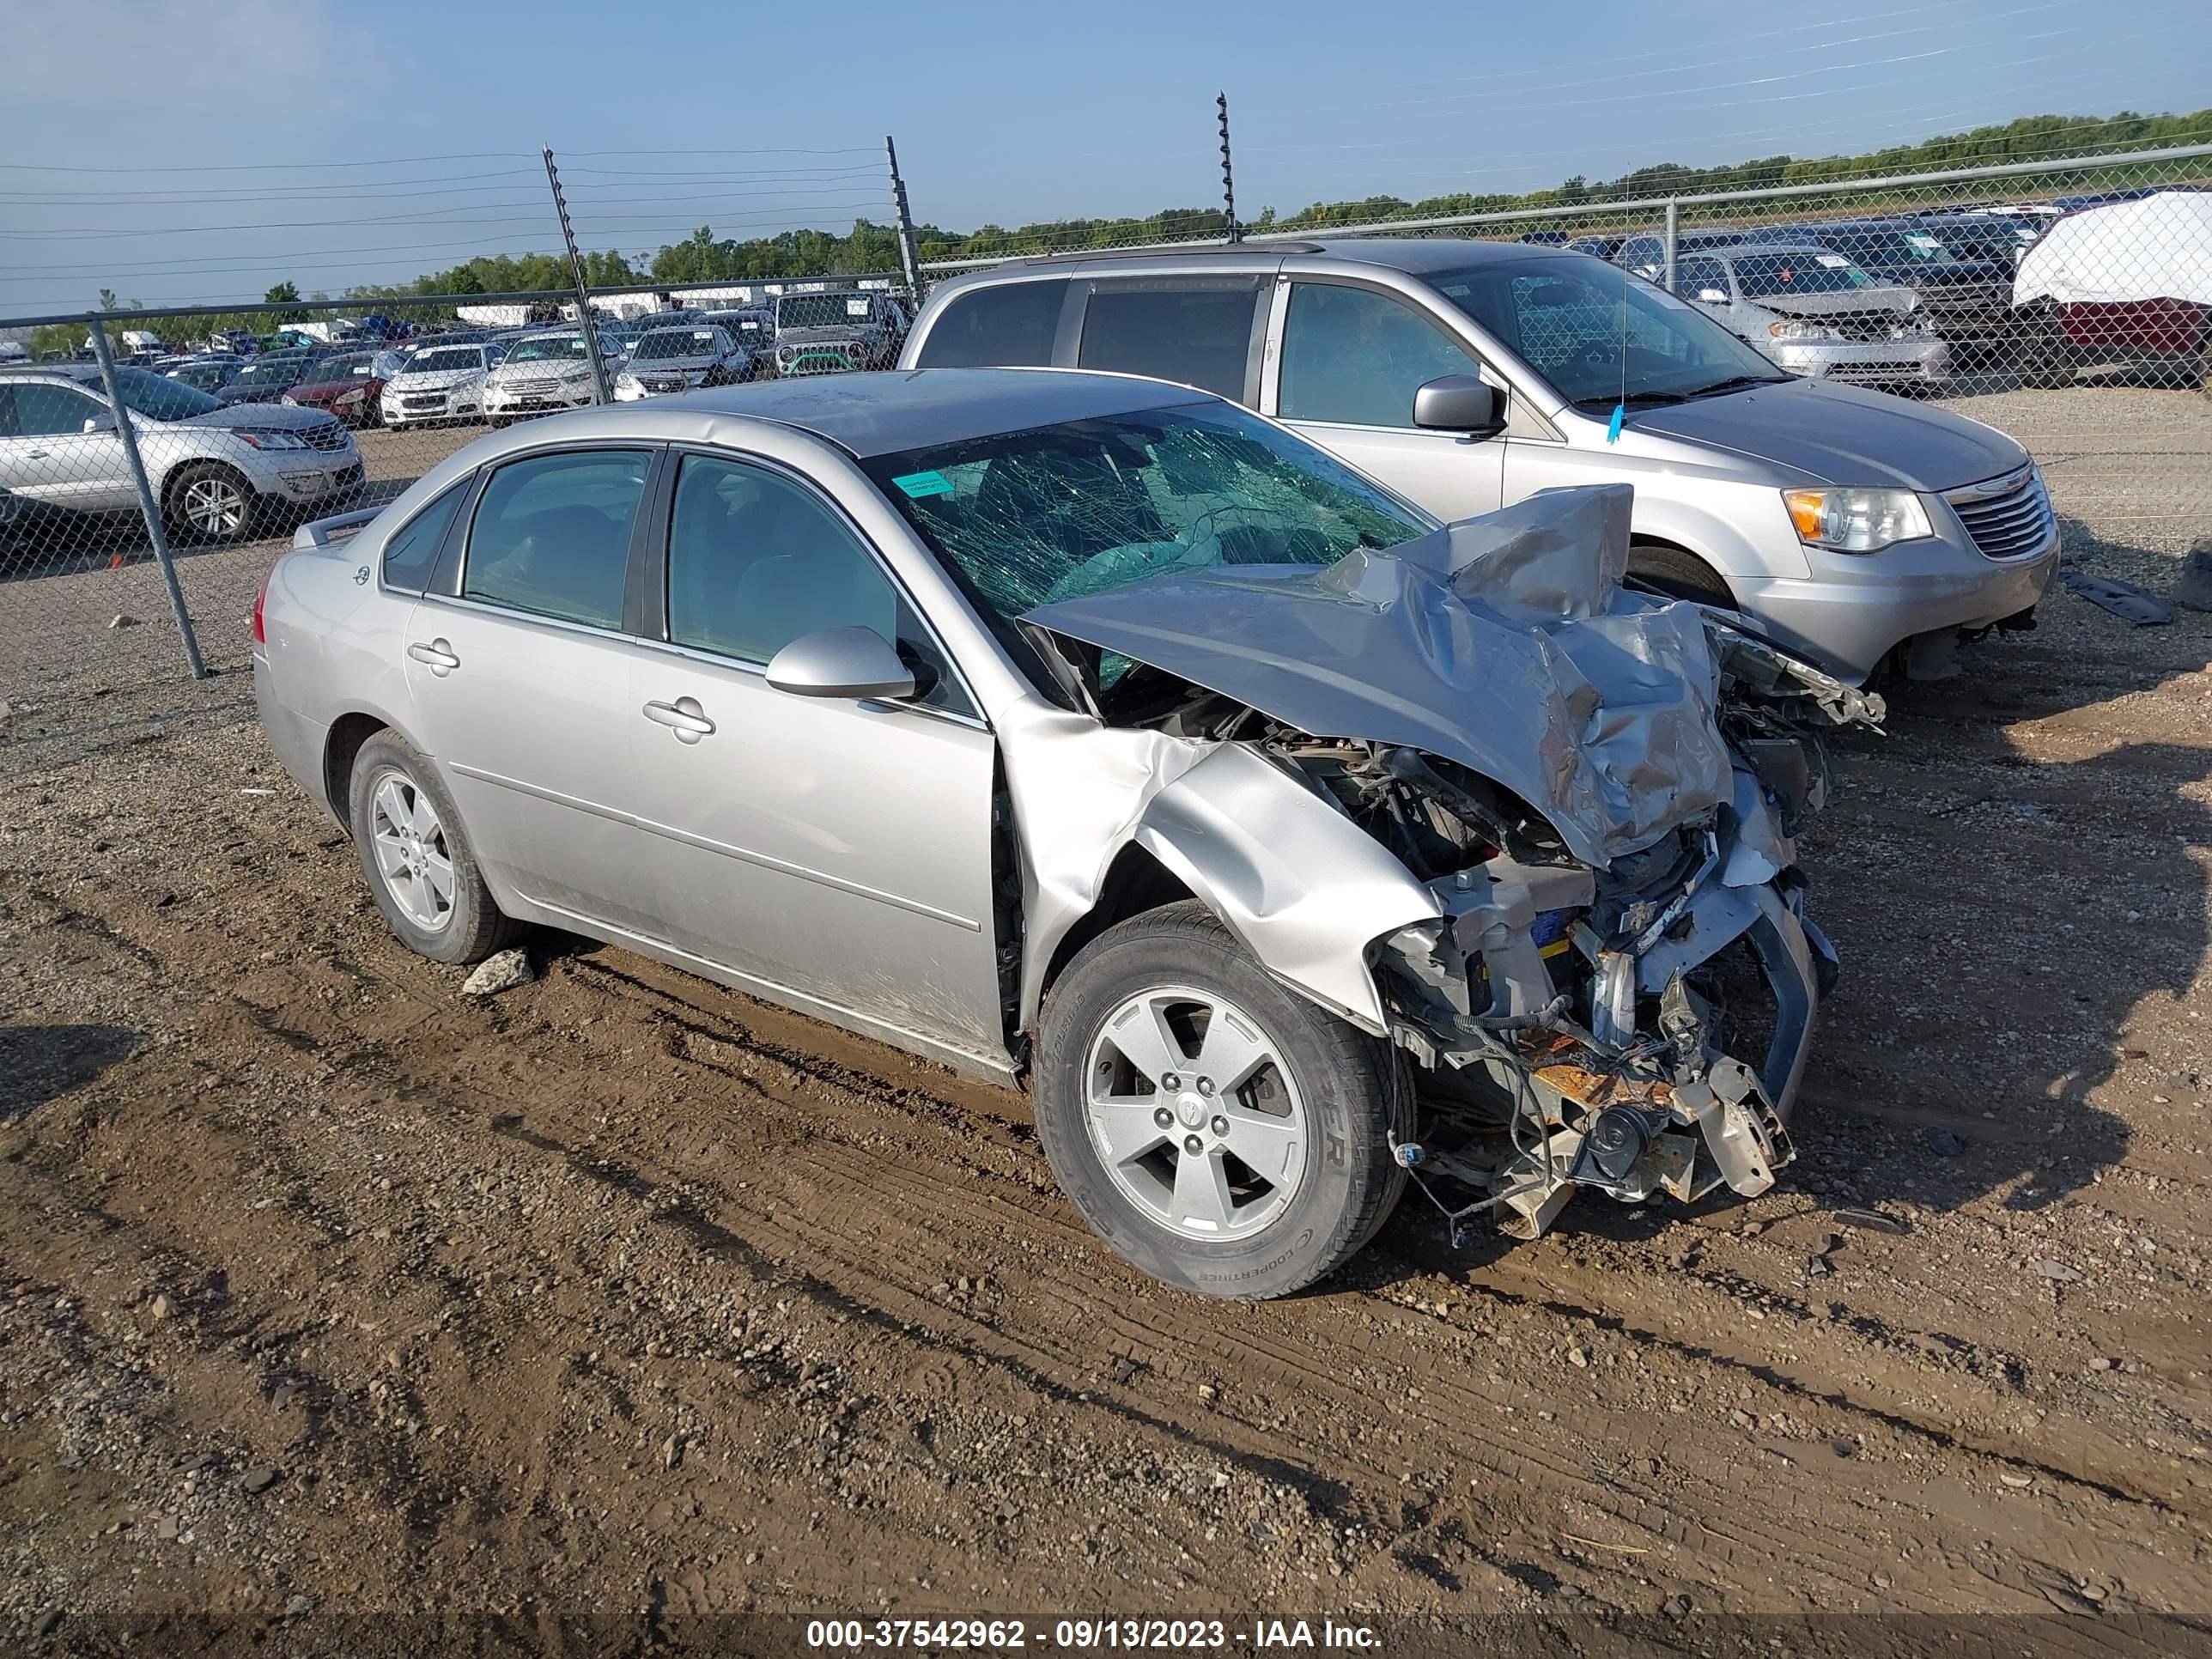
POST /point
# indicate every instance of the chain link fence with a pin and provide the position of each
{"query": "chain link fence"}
(132, 551)
(2065, 300)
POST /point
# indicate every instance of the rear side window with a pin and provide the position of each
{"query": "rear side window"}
(410, 556)
(1202, 337)
(551, 536)
(1007, 326)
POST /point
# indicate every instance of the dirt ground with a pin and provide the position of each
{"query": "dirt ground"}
(620, 1306)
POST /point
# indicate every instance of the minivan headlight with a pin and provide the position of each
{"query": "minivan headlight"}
(1857, 521)
(1792, 329)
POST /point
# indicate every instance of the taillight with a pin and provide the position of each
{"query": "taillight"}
(260, 599)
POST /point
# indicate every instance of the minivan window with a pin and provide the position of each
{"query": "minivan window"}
(1354, 356)
(552, 535)
(412, 553)
(1007, 325)
(1598, 335)
(1200, 336)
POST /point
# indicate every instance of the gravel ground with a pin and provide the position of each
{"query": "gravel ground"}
(622, 1304)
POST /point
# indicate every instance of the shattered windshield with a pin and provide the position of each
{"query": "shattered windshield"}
(1025, 518)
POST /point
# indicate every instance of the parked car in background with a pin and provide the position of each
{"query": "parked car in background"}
(206, 372)
(2130, 283)
(1816, 313)
(1645, 253)
(1968, 302)
(679, 359)
(439, 384)
(268, 376)
(830, 333)
(1848, 526)
(346, 383)
(751, 326)
(1091, 733)
(221, 472)
(544, 371)
(1986, 234)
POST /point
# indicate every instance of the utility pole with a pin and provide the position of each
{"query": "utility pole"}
(601, 391)
(907, 260)
(1228, 181)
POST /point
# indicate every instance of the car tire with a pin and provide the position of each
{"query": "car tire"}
(500, 422)
(1319, 1112)
(1659, 569)
(209, 503)
(2043, 364)
(395, 791)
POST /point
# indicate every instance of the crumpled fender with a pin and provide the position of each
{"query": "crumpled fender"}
(1300, 885)
(1303, 888)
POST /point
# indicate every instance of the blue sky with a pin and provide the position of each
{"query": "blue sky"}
(202, 133)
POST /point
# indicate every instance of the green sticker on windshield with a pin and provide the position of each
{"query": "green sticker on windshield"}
(918, 485)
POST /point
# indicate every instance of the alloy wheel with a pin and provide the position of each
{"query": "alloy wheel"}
(1193, 1112)
(411, 853)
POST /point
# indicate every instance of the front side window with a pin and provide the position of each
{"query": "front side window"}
(412, 552)
(755, 561)
(1198, 334)
(552, 535)
(1599, 336)
(1009, 326)
(1700, 279)
(44, 411)
(1025, 518)
(1354, 356)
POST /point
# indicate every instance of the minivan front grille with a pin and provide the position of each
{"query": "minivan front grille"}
(2015, 518)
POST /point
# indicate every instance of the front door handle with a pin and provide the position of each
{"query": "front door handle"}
(36, 455)
(685, 717)
(438, 654)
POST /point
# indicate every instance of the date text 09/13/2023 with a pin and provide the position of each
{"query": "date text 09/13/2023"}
(1087, 1635)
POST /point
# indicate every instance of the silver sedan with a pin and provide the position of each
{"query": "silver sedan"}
(1096, 736)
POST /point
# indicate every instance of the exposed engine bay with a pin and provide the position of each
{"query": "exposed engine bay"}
(1597, 792)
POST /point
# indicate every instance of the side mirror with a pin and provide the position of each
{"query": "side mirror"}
(1458, 403)
(840, 662)
(98, 424)
(1712, 296)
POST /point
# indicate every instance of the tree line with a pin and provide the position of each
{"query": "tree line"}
(702, 257)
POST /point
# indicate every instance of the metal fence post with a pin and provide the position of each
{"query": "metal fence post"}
(602, 391)
(1674, 210)
(908, 258)
(147, 504)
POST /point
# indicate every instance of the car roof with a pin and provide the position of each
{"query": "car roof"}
(882, 413)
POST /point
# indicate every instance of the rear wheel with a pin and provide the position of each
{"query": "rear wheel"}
(1219, 1131)
(210, 502)
(421, 869)
(1659, 569)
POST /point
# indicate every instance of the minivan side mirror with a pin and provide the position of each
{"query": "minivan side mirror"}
(840, 662)
(1458, 403)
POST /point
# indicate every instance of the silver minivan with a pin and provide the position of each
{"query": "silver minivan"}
(1856, 528)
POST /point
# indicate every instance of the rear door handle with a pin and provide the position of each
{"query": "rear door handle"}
(685, 717)
(438, 654)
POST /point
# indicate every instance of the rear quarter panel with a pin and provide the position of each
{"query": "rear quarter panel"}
(334, 643)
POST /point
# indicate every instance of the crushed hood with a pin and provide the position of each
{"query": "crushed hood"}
(1505, 643)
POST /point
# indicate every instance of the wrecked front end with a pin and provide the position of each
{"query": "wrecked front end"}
(1612, 981)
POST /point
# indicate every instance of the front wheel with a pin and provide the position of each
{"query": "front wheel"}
(1219, 1131)
(1659, 569)
(421, 869)
(211, 503)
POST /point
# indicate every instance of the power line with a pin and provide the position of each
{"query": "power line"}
(277, 167)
